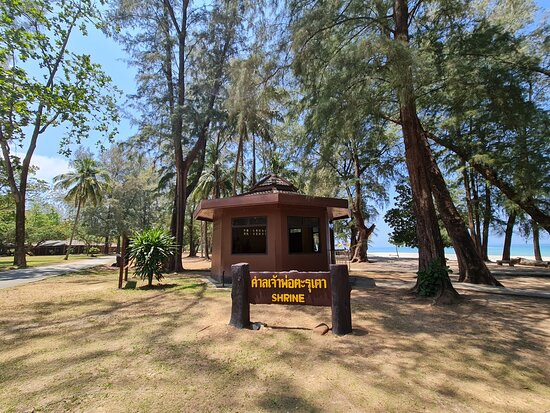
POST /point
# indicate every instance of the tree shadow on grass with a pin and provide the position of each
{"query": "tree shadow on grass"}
(409, 342)
(159, 287)
(489, 340)
(172, 286)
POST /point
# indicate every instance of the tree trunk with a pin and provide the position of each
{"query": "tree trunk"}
(536, 242)
(253, 159)
(352, 240)
(20, 256)
(126, 243)
(176, 102)
(206, 243)
(363, 233)
(242, 169)
(122, 261)
(179, 222)
(202, 239)
(469, 202)
(73, 230)
(487, 217)
(429, 238)
(217, 186)
(360, 254)
(430, 244)
(508, 236)
(476, 271)
(192, 243)
(237, 161)
(106, 245)
(477, 220)
(183, 165)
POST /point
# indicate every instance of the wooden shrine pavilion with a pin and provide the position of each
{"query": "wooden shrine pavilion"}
(273, 228)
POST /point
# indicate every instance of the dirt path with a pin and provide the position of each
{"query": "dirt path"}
(12, 278)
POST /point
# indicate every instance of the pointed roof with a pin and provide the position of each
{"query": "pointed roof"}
(273, 190)
(272, 183)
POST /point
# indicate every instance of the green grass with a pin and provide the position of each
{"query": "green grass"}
(6, 263)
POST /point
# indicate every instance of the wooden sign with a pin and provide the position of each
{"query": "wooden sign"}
(297, 288)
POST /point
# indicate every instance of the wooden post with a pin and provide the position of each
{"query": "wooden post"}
(240, 306)
(341, 307)
(122, 261)
(125, 243)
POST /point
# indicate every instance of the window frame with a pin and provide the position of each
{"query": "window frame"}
(302, 218)
(249, 217)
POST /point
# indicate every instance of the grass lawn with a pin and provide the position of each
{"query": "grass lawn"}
(76, 343)
(6, 263)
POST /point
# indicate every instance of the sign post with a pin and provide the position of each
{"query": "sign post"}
(328, 289)
(341, 305)
(240, 306)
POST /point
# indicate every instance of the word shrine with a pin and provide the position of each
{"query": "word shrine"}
(307, 288)
(328, 289)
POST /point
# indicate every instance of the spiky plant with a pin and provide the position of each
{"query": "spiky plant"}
(150, 249)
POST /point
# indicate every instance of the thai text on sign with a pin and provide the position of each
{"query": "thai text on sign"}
(299, 288)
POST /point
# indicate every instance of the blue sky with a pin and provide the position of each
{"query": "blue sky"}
(111, 56)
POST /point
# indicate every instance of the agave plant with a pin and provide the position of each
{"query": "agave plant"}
(150, 249)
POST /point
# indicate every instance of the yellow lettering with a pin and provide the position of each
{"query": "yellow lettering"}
(301, 298)
(255, 282)
(308, 282)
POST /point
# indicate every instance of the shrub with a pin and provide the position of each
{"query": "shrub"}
(430, 279)
(93, 251)
(150, 249)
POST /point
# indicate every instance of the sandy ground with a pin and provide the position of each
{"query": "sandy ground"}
(383, 266)
(449, 256)
(76, 343)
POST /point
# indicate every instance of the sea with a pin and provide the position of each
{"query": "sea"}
(516, 250)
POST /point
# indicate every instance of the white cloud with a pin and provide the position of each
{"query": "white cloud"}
(48, 166)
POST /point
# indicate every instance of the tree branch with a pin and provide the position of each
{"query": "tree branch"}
(526, 203)
(414, 10)
(337, 23)
(172, 16)
(8, 164)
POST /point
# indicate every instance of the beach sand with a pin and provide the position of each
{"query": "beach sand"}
(387, 266)
(451, 257)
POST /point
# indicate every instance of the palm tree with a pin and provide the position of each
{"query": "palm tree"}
(87, 183)
(215, 179)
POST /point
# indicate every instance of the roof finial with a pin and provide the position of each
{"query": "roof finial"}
(272, 183)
